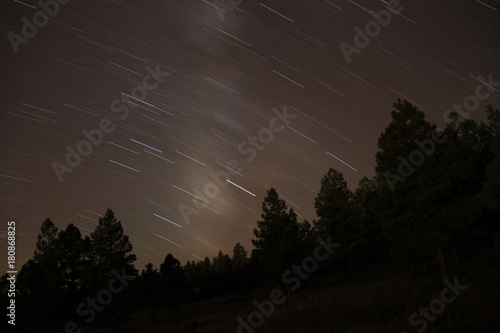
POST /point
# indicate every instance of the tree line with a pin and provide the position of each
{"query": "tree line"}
(434, 199)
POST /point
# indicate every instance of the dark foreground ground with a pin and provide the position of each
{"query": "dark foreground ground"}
(379, 302)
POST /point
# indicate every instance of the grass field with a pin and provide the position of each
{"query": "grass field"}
(378, 302)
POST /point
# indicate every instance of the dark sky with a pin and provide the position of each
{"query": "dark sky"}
(226, 75)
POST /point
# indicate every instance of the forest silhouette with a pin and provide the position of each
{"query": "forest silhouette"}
(430, 212)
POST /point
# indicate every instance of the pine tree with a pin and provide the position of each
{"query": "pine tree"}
(110, 249)
(369, 242)
(240, 258)
(277, 237)
(240, 266)
(72, 251)
(46, 256)
(335, 210)
(151, 288)
(45, 245)
(172, 273)
(427, 214)
(222, 273)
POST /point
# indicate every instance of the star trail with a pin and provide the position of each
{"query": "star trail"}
(179, 115)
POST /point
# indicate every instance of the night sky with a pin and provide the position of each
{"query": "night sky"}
(229, 74)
